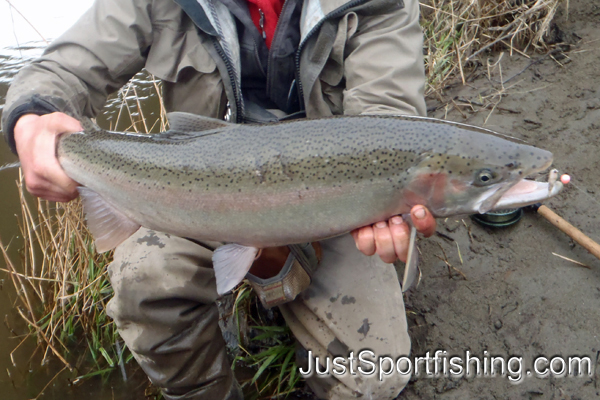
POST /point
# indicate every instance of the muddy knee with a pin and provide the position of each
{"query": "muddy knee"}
(164, 307)
(150, 266)
(162, 281)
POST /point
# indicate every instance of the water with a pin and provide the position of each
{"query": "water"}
(19, 44)
(34, 20)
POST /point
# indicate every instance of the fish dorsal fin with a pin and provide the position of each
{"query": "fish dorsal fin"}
(231, 263)
(182, 122)
(108, 225)
(186, 126)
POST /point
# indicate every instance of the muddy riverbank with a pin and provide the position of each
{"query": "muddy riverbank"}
(518, 298)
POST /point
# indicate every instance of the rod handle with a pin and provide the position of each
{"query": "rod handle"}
(574, 233)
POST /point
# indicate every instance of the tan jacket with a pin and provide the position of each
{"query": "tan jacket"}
(360, 56)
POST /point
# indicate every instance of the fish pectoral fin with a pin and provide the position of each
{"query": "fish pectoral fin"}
(109, 226)
(411, 267)
(184, 125)
(231, 264)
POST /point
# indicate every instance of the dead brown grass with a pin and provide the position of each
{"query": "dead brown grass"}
(62, 283)
(458, 33)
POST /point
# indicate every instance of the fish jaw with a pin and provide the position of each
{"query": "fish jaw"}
(460, 198)
(455, 190)
(517, 192)
(527, 192)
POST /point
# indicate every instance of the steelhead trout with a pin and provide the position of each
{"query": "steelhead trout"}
(255, 186)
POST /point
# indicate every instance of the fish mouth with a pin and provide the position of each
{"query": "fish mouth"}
(526, 192)
(521, 193)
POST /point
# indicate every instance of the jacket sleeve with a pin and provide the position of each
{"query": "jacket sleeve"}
(383, 67)
(77, 72)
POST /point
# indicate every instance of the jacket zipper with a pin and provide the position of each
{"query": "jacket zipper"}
(231, 74)
(331, 15)
(261, 23)
(270, 55)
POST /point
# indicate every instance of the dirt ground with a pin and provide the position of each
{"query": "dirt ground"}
(518, 299)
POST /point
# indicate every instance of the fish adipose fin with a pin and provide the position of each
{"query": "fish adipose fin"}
(411, 267)
(231, 264)
(108, 225)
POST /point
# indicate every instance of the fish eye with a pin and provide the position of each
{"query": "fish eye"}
(484, 177)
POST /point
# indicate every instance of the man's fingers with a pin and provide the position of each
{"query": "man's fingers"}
(36, 139)
(60, 179)
(46, 166)
(55, 195)
(423, 220)
(49, 190)
(384, 243)
(400, 234)
(390, 239)
(62, 123)
(364, 239)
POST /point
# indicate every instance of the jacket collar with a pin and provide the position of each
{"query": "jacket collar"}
(197, 15)
(315, 11)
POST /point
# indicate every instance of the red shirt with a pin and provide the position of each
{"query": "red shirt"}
(270, 9)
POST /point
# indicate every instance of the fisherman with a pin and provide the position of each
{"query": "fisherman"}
(258, 61)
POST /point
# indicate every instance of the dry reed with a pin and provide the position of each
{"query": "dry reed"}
(457, 32)
(62, 283)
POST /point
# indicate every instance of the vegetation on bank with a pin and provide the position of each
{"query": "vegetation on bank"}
(62, 284)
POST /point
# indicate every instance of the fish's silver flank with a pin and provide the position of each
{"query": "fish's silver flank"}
(292, 182)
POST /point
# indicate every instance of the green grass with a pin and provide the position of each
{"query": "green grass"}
(273, 349)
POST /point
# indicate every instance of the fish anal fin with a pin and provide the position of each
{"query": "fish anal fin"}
(231, 264)
(109, 226)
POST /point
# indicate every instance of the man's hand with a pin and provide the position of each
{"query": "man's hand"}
(389, 239)
(35, 137)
